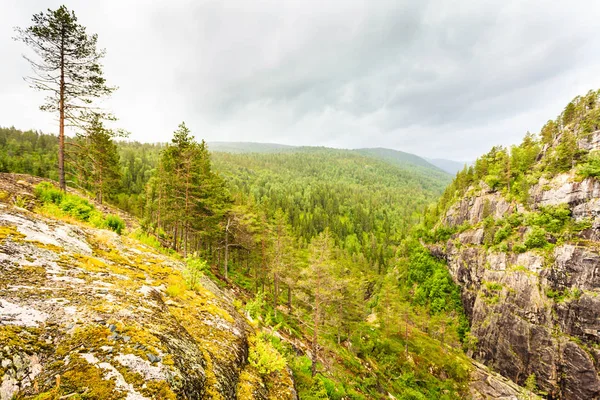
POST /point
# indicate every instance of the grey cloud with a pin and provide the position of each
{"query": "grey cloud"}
(438, 78)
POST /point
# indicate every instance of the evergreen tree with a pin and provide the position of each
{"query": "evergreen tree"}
(190, 199)
(100, 157)
(67, 66)
(320, 284)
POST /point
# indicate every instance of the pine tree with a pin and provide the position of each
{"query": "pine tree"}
(319, 282)
(96, 158)
(67, 66)
(191, 199)
(283, 268)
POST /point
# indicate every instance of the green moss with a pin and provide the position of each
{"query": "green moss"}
(89, 336)
(88, 380)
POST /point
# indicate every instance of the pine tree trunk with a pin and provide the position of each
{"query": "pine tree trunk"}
(225, 266)
(275, 291)
(315, 343)
(61, 118)
(289, 297)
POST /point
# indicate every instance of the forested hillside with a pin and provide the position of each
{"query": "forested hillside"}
(314, 238)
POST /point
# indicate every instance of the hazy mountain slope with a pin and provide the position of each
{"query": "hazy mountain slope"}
(361, 186)
(395, 156)
(248, 147)
(450, 166)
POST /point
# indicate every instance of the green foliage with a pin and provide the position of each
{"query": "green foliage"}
(552, 218)
(502, 234)
(255, 307)
(535, 238)
(434, 287)
(48, 193)
(115, 223)
(591, 167)
(195, 269)
(61, 204)
(560, 296)
(264, 357)
(530, 383)
(519, 248)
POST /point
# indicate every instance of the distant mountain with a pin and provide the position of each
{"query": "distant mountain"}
(450, 166)
(248, 147)
(396, 157)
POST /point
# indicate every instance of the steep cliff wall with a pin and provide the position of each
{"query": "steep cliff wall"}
(86, 312)
(534, 307)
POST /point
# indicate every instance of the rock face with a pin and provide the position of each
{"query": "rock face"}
(85, 311)
(486, 385)
(535, 312)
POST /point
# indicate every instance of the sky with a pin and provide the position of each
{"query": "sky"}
(441, 79)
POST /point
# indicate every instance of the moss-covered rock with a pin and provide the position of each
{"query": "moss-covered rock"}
(87, 313)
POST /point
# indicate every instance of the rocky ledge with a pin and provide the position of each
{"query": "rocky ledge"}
(86, 313)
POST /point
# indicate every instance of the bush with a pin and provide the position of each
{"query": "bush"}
(536, 238)
(195, 269)
(502, 233)
(519, 248)
(591, 167)
(76, 207)
(48, 193)
(59, 204)
(115, 223)
(264, 357)
(551, 218)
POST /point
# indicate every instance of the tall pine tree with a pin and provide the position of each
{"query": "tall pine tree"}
(67, 66)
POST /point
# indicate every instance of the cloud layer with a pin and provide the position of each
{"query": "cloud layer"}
(437, 78)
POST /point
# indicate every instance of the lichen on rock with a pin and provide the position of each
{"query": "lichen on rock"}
(85, 311)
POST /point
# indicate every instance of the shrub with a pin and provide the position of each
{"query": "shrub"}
(195, 269)
(264, 357)
(591, 167)
(48, 193)
(115, 223)
(502, 234)
(519, 248)
(551, 218)
(255, 306)
(536, 238)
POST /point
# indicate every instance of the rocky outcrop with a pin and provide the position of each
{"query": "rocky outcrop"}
(85, 312)
(536, 312)
(486, 385)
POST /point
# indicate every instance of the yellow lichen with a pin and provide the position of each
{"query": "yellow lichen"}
(211, 379)
(249, 382)
(7, 231)
(88, 380)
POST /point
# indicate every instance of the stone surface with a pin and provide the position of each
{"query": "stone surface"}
(521, 329)
(79, 302)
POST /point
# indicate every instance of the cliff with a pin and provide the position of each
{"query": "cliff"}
(87, 313)
(529, 272)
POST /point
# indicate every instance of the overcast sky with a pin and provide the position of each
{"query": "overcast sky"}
(437, 78)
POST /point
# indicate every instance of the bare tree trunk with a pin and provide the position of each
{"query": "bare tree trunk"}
(406, 333)
(175, 237)
(275, 291)
(289, 297)
(315, 339)
(61, 119)
(225, 266)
